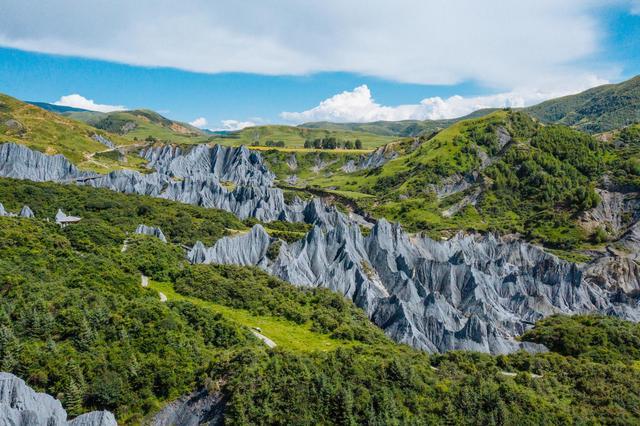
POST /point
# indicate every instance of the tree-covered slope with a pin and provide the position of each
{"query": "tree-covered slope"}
(596, 110)
(75, 322)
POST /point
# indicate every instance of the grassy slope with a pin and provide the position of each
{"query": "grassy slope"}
(54, 134)
(286, 334)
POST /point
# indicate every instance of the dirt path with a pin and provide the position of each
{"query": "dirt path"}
(270, 343)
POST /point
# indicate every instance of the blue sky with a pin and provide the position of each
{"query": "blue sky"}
(339, 63)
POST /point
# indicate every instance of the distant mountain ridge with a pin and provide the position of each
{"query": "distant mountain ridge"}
(404, 128)
(596, 110)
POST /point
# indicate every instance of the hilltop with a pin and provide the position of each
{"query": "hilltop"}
(52, 133)
(132, 125)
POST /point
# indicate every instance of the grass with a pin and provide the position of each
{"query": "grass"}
(285, 334)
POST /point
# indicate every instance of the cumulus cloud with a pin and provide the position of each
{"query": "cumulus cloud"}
(78, 101)
(498, 43)
(233, 125)
(359, 105)
(199, 122)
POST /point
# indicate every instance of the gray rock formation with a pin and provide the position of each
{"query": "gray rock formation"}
(193, 177)
(26, 212)
(104, 141)
(20, 162)
(472, 292)
(62, 219)
(195, 409)
(614, 211)
(152, 231)
(94, 418)
(22, 406)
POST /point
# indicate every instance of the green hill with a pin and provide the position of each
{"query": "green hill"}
(596, 110)
(52, 133)
(140, 125)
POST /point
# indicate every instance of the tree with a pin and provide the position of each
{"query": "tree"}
(358, 144)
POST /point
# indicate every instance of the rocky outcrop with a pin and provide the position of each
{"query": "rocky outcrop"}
(22, 406)
(472, 292)
(614, 212)
(61, 218)
(95, 418)
(104, 141)
(25, 212)
(152, 231)
(195, 409)
(238, 165)
(20, 162)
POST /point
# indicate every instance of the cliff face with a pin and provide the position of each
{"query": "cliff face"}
(472, 292)
(22, 406)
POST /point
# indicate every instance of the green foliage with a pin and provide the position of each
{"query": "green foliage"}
(601, 339)
(396, 385)
(253, 290)
(75, 322)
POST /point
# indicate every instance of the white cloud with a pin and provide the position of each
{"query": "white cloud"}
(79, 101)
(199, 122)
(359, 106)
(233, 125)
(498, 43)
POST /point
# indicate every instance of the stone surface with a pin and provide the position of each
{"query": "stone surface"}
(22, 406)
(195, 409)
(152, 231)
